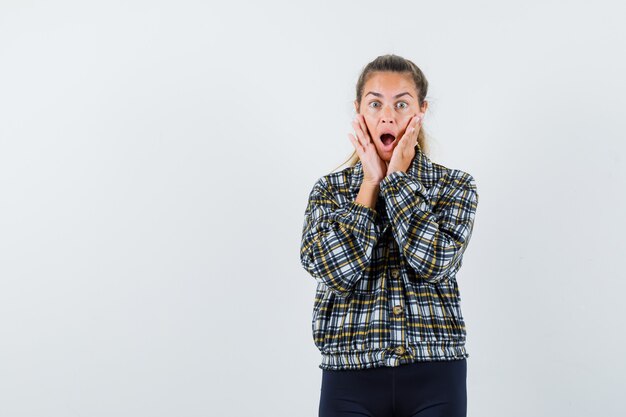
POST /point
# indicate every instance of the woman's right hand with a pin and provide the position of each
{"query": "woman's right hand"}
(374, 168)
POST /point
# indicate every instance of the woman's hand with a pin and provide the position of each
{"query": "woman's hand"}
(374, 168)
(404, 151)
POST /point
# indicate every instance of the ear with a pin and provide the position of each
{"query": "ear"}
(356, 106)
(424, 106)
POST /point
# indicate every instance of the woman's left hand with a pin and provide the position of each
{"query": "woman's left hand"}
(405, 149)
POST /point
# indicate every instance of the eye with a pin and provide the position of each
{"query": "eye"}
(372, 103)
(405, 104)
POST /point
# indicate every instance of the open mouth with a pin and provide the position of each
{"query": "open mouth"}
(387, 139)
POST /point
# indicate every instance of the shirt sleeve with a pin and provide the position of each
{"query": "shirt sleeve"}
(337, 240)
(432, 242)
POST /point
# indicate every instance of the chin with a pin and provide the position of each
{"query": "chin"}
(384, 156)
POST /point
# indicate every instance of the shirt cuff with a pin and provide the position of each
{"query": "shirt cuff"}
(363, 211)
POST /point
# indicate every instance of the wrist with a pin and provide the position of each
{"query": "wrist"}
(395, 169)
(371, 185)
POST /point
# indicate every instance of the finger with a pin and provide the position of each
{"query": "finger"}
(418, 126)
(420, 122)
(359, 133)
(366, 134)
(410, 136)
(412, 122)
(410, 127)
(364, 139)
(357, 145)
(364, 128)
(417, 120)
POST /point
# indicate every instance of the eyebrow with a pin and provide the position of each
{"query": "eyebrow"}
(396, 96)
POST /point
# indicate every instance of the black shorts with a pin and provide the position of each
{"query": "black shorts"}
(418, 389)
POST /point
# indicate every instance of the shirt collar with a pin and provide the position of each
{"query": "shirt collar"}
(420, 168)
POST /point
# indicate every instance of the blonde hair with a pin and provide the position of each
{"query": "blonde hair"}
(393, 63)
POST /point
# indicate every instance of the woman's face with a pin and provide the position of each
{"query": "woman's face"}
(388, 103)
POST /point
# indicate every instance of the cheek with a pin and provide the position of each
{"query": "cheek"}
(406, 123)
(370, 123)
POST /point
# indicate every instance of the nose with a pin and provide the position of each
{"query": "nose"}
(386, 115)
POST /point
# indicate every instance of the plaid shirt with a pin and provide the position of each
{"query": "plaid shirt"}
(386, 278)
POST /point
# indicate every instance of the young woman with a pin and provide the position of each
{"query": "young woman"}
(384, 239)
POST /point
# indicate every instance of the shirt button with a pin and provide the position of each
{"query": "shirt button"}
(395, 273)
(397, 309)
(400, 350)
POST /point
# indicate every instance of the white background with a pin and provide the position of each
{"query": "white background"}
(155, 163)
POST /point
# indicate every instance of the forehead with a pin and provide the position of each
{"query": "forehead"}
(389, 83)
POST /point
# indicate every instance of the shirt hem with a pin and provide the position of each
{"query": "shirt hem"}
(388, 357)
